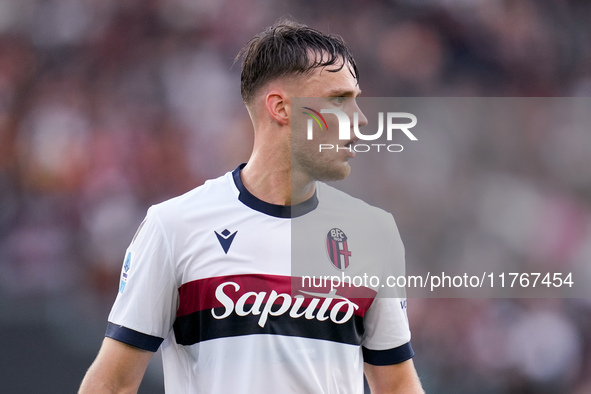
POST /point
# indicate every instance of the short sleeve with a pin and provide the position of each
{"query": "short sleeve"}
(387, 333)
(145, 307)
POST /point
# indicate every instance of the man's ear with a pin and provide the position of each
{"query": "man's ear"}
(278, 106)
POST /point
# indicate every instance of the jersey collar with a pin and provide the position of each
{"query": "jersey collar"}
(279, 211)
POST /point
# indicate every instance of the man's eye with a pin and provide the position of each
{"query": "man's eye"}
(338, 100)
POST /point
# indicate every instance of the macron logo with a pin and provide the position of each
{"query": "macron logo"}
(226, 239)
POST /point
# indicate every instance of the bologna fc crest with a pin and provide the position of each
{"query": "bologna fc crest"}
(338, 251)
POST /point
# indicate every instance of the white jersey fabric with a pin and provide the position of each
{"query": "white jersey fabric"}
(208, 277)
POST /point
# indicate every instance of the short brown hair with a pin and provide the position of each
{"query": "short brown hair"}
(289, 48)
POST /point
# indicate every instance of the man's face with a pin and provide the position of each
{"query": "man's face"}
(327, 90)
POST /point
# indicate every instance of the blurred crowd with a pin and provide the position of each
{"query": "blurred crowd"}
(107, 107)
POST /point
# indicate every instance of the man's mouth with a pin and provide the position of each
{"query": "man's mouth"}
(349, 147)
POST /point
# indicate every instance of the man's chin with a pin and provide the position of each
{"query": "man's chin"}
(337, 173)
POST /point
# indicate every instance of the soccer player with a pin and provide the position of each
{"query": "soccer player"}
(207, 276)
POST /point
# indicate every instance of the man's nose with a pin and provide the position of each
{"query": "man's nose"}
(362, 120)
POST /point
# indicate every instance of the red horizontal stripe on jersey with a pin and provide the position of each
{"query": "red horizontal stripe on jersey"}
(199, 295)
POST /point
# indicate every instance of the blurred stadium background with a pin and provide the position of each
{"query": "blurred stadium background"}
(107, 107)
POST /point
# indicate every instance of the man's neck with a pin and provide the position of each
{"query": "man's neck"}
(274, 183)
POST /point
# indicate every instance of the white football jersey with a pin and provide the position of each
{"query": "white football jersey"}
(208, 276)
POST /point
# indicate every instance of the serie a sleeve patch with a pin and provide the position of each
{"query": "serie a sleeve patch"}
(125, 271)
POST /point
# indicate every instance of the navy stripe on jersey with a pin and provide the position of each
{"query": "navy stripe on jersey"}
(202, 326)
(280, 211)
(389, 356)
(263, 304)
(133, 338)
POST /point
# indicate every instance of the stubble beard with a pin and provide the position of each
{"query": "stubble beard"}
(324, 170)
